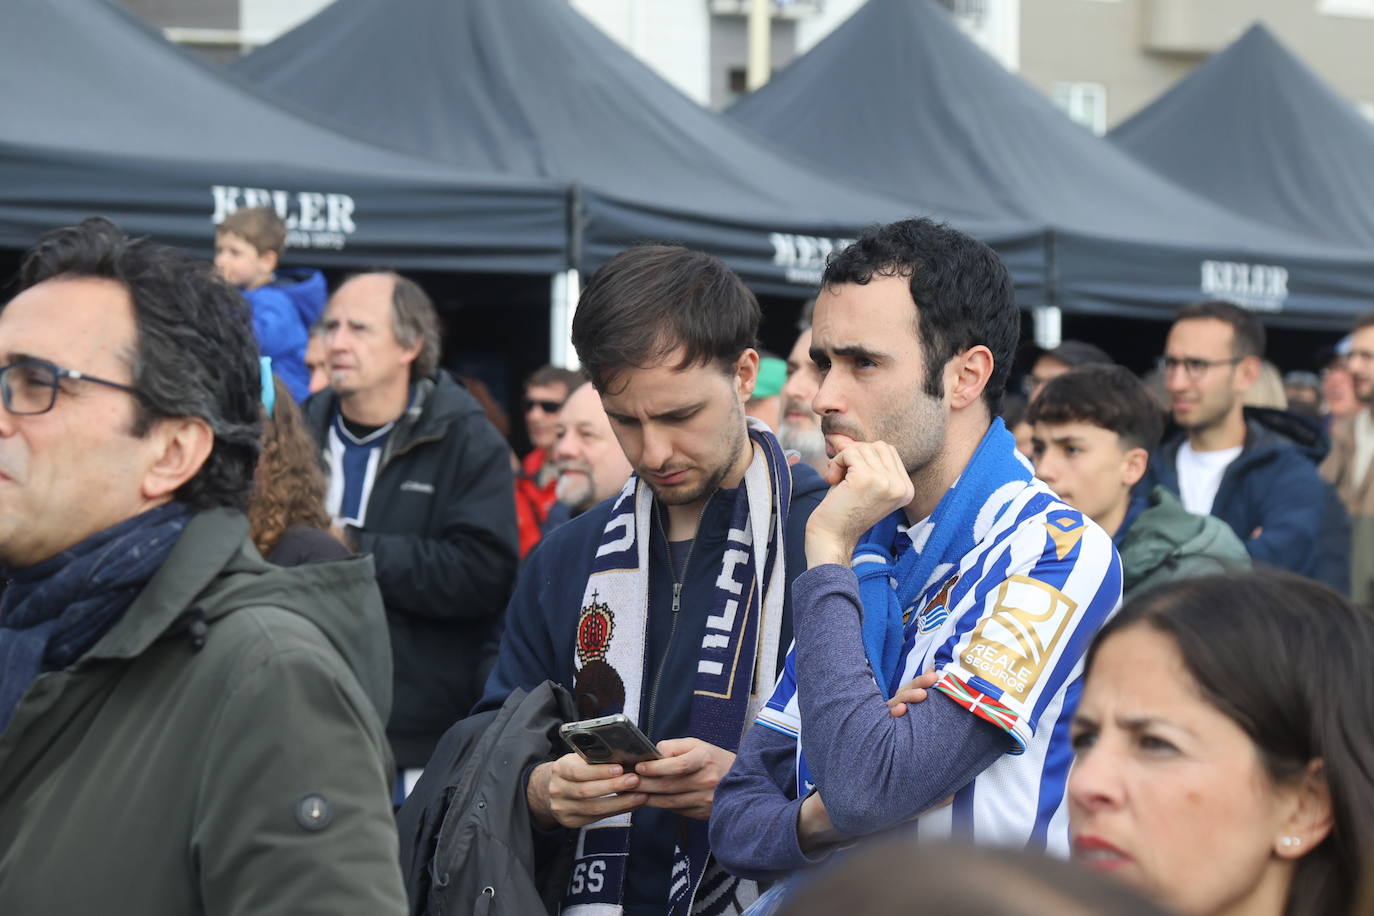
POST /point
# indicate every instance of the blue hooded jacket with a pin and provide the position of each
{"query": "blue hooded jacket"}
(283, 312)
(1273, 498)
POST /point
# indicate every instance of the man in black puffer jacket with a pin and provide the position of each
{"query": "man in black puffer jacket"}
(420, 479)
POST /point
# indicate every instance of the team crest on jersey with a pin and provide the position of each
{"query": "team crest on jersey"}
(937, 610)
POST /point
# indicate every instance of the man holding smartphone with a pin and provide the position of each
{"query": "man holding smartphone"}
(669, 602)
(934, 550)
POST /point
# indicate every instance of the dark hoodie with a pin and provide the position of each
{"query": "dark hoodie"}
(1272, 496)
(283, 312)
(217, 751)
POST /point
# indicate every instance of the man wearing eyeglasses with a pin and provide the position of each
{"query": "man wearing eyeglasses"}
(1254, 469)
(184, 728)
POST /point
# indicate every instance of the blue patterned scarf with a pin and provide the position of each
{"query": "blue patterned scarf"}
(893, 572)
(53, 613)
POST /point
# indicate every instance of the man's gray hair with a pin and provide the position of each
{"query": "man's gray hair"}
(414, 318)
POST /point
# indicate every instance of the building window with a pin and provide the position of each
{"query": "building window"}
(1361, 9)
(1085, 103)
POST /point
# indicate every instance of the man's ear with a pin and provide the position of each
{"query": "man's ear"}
(1248, 372)
(1133, 465)
(966, 375)
(179, 449)
(1310, 818)
(746, 374)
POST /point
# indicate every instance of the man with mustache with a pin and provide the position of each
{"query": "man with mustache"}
(669, 602)
(591, 466)
(800, 429)
(934, 551)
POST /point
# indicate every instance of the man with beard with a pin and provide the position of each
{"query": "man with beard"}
(1253, 468)
(591, 466)
(1352, 451)
(669, 603)
(800, 429)
(994, 586)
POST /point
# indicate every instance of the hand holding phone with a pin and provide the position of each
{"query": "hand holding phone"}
(609, 739)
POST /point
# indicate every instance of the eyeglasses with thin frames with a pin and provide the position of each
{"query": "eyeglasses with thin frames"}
(1194, 368)
(30, 386)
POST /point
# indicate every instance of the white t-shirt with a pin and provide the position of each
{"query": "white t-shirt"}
(1364, 447)
(1199, 476)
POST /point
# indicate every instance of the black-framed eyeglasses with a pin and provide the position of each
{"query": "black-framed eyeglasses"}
(30, 386)
(546, 406)
(1194, 368)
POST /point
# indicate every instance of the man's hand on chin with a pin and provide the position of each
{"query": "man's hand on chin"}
(868, 482)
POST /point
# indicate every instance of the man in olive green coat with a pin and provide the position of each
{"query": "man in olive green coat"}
(184, 728)
(1093, 431)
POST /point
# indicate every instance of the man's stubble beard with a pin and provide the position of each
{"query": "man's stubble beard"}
(713, 480)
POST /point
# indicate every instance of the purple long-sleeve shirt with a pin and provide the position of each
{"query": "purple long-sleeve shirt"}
(872, 771)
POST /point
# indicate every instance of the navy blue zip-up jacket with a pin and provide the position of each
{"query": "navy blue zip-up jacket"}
(1273, 487)
(540, 639)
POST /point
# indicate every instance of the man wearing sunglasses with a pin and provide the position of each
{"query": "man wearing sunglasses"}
(536, 484)
(184, 728)
(1254, 469)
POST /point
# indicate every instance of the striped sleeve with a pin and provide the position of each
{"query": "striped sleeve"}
(781, 713)
(1023, 630)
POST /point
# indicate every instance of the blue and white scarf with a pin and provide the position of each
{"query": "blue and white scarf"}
(894, 571)
(736, 667)
(53, 613)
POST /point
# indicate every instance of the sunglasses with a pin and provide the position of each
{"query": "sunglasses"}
(546, 406)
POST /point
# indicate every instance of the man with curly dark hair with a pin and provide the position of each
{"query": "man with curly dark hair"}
(184, 728)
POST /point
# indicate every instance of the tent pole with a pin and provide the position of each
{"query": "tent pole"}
(760, 66)
(566, 288)
(1048, 324)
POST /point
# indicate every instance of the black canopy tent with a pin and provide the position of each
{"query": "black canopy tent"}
(103, 116)
(531, 88)
(898, 98)
(1256, 130)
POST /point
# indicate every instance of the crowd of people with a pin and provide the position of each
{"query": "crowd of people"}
(288, 627)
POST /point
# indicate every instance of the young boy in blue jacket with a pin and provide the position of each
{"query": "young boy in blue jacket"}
(285, 303)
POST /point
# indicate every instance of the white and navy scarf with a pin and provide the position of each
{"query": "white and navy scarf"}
(736, 665)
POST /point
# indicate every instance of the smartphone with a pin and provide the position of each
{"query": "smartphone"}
(609, 739)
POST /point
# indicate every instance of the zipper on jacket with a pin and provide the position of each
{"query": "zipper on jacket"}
(677, 604)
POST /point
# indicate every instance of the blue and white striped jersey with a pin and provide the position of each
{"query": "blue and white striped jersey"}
(1007, 631)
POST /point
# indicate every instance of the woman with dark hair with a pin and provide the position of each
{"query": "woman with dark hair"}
(286, 510)
(1225, 760)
